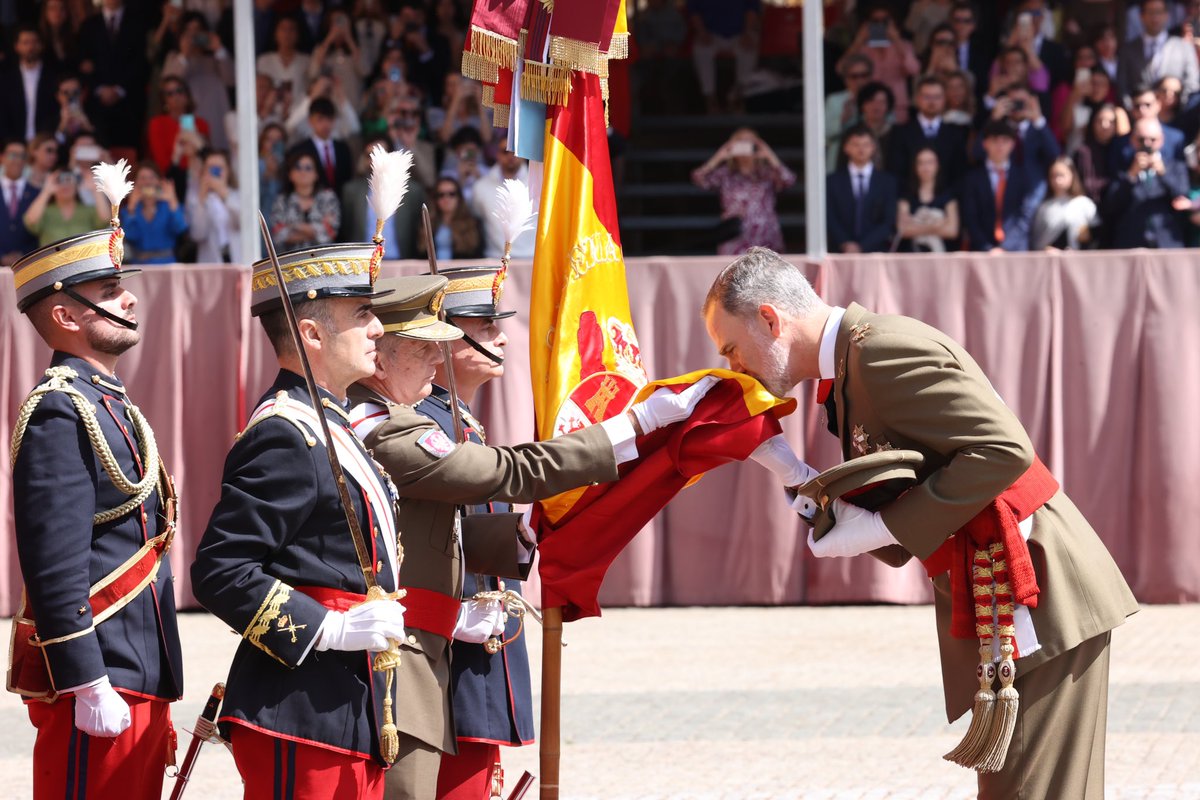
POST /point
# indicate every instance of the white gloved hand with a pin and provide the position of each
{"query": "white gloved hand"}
(665, 406)
(528, 535)
(480, 620)
(100, 711)
(776, 455)
(365, 627)
(854, 532)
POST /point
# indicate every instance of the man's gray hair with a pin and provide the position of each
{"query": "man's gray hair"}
(761, 276)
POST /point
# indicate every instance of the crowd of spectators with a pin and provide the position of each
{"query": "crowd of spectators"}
(152, 81)
(1067, 126)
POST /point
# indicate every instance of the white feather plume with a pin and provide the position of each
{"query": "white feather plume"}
(389, 180)
(111, 180)
(514, 209)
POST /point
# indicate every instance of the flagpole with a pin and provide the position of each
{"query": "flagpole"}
(552, 622)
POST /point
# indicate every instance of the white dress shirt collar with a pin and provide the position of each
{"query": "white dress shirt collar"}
(865, 171)
(825, 356)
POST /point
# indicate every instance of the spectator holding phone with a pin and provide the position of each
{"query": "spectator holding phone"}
(43, 159)
(1092, 156)
(325, 91)
(305, 214)
(176, 134)
(155, 220)
(86, 153)
(426, 52)
(16, 196)
(748, 175)
(1037, 148)
(841, 108)
(464, 161)
(338, 57)
(56, 212)
(1144, 105)
(1073, 105)
(404, 132)
(287, 66)
(72, 120)
(465, 109)
(212, 211)
(878, 39)
(272, 160)
(204, 64)
(1155, 54)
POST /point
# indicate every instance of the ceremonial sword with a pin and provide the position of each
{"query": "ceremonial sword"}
(205, 731)
(387, 660)
(447, 353)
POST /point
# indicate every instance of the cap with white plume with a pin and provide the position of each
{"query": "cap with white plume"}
(112, 181)
(514, 211)
(387, 185)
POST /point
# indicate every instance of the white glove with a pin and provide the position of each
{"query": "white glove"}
(854, 532)
(776, 455)
(528, 535)
(665, 406)
(480, 620)
(100, 711)
(365, 627)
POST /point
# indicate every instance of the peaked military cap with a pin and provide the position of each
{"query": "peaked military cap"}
(335, 270)
(65, 263)
(871, 481)
(411, 308)
(475, 292)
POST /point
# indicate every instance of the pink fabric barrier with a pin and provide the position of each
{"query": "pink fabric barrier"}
(1096, 352)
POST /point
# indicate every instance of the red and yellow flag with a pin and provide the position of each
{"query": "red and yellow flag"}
(584, 356)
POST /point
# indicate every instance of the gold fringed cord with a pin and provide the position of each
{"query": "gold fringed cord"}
(574, 54)
(489, 95)
(478, 68)
(493, 47)
(500, 115)
(619, 47)
(970, 751)
(545, 83)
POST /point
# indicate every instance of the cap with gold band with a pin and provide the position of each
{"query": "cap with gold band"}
(871, 481)
(335, 270)
(411, 308)
(65, 263)
(475, 292)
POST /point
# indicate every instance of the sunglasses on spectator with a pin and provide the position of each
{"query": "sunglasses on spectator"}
(963, 20)
(447, 194)
(407, 112)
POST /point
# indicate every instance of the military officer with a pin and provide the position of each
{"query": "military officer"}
(433, 475)
(280, 563)
(493, 702)
(894, 382)
(95, 647)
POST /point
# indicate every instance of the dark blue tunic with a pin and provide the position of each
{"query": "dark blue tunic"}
(59, 484)
(491, 693)
(279, 525)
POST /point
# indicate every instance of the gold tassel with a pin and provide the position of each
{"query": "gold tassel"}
(574, 54)
(619, 47)
(1004, 721)
(489, 96)
(387, 661)
(975, 742)
(500, 114)
(478, 68)
(545, 83)
(493, 47)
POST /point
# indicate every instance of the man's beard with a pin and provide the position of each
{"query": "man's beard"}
(110, 338)
(774, 375)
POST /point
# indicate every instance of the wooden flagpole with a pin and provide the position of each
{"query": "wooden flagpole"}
(552, 622)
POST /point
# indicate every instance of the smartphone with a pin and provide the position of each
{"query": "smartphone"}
(741, 148)
(877, 34)
(215, 171)
(1083, 75)
(394, 75)
(87, 153)
(187, 122)
(1025, 22)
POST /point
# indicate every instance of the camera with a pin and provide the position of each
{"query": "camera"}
(215, 171)
(1018, 105)
(66, 177)
(1146, 146)
(877, 34)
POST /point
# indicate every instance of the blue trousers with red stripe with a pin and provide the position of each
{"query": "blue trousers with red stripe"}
(274, 768)
(67, 763)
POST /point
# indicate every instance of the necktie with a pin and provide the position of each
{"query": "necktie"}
(1001, 185)
(860, 203)
(329, 164)
(112, 27)
(824, 387)
(14, 201)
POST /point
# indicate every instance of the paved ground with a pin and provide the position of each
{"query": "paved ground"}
(749, 703)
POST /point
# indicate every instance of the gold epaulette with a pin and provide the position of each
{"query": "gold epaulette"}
(282, 409)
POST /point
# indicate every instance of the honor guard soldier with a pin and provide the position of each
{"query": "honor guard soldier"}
(281, 563)
(1026, 595)
(434, 475)
(493, 702)
(95, 647)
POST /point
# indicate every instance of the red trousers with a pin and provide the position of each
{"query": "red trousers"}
(69, 763)
(468, 775)
(281, 768)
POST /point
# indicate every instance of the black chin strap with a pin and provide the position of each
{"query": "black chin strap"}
(482, 349)
(108, 315)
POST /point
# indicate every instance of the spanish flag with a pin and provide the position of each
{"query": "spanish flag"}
(584, 355)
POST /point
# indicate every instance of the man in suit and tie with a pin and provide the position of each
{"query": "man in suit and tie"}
(862, 199)
(1146, 58)
(1144, 105)
(334, 164)
(928, 129)
(974, 51)
(896, 383)
(1000, 197)
(16, 195)
(112, 44)
(1144, 204)
(27, 103)
(358, 218)
(1036, 148)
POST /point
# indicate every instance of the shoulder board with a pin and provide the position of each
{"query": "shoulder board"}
(436, 443)
(283, 407)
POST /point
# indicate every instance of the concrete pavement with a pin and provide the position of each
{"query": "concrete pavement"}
(747, 703)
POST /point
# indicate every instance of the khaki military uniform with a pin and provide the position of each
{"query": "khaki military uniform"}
(902, 384)
(430, 487)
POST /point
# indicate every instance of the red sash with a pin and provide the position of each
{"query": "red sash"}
(998, 522)
(424, 609)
